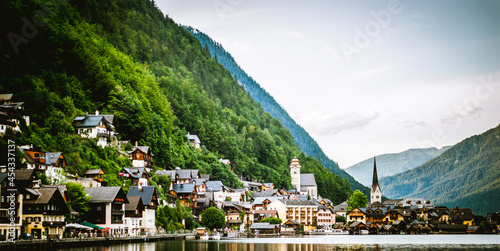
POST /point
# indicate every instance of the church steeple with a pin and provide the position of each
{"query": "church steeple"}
(375, 193)
(375, 176)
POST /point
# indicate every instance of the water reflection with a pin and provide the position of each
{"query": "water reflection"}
(451, 242)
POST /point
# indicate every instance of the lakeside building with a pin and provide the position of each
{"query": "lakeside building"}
(107, 208)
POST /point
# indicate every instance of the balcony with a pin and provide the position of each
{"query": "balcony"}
(103, 135)
(53, 223)
(117, 212)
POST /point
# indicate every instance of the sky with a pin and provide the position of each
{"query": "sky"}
(365, 78)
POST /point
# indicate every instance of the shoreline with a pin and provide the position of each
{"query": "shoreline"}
(87, 242)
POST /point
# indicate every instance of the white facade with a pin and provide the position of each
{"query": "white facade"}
(221, 196)
(280, 207)
(148, 220)
(326, 218)
(295, 173)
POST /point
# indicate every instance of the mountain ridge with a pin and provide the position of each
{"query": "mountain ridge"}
(302, 138)
(393, 163)
(466, 175)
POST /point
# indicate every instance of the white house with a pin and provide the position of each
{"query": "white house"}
(8, 114)
(95, 126)
(149, 198)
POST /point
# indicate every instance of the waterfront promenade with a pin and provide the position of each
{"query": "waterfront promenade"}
(87, 242)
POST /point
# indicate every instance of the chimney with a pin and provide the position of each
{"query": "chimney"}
(139, 186)
(96, 112)
(86, 114)
(136, 144)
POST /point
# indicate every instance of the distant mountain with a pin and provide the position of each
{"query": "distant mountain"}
(466, 175)
(393, 163)
(305, 142)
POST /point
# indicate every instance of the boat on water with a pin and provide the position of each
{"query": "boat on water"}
(216, 236)
(321, 232)
(328, 232)
(204, 237)
(340, 232)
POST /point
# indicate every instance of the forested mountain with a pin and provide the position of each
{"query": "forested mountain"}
(466, 175)
(302, 138)
(124, 57)
(392, 163)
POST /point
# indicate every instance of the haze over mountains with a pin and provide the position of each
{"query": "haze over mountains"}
(393, 163)
(466, 175)
(302, 138)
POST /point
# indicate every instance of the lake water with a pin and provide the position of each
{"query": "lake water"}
(319, 243)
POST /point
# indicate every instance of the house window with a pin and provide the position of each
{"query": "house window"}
(98, 208)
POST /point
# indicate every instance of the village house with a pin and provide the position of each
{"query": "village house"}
(267, 186)
(186, 193)
(138, 175)
(194, 140)
(279, 206)
(5, 218)
(51, 163)
(264, 228)
(95, 126)
(149, 198)
(44, 211)
(326, 217)
(142, 156)
(9, 118)
(107, 208)
(357, 215)
(133, 216)
(96, 174)
(341, 209)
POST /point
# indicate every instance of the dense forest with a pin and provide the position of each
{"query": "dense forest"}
(466, 175)
(302, 138)
(393, 163)
(124, 57)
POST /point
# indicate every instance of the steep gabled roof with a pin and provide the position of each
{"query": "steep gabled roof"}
(307, 179)
(183, 188)
(143, 149)
(214, 185)
(194, 138)
(93, 171)
(146, 193)
(52, 157)
(134, 172)
(133, 203)
(184, 174)
(104, 194)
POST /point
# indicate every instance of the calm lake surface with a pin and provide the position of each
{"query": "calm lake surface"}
(309, 243)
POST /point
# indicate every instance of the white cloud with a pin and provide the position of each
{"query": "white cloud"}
(473, 112)
(327, 123)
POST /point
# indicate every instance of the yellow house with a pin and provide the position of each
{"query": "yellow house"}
(44, 211)
(392, 216)
(357, 215)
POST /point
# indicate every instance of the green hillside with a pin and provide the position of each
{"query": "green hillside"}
(466, 175)
(392, 163)
(124, 57)
(302, 138)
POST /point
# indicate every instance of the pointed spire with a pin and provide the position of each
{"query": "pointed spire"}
(375, 176)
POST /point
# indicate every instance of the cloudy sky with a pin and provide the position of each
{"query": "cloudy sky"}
(365, 77)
